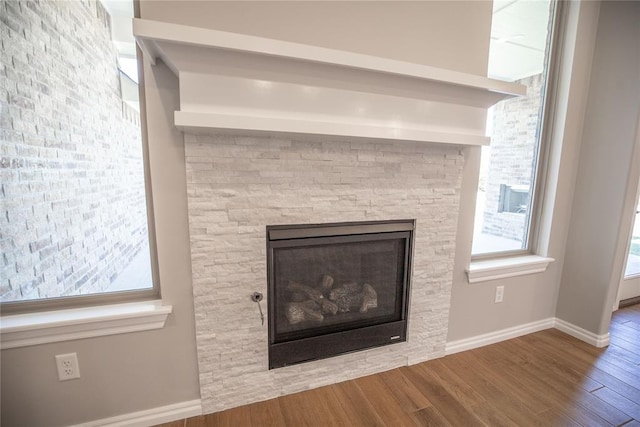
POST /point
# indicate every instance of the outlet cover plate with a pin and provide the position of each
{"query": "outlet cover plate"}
(68, 367)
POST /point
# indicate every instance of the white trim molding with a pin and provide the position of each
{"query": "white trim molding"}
(478, 341)
(149, 417)
(64, 325)
(500, 268)
(498, 336)
(231, 81)
(202, 123)
(582, 334)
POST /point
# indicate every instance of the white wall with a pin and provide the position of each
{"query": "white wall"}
(593, 262)
(447, 34)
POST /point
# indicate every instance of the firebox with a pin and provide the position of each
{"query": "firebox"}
(336, 288)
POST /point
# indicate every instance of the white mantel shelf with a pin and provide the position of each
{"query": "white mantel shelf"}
(232, 81)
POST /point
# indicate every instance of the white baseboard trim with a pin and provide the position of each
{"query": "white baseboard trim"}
(582, 334)
(497, 336)
(150, 417)
(528, 328)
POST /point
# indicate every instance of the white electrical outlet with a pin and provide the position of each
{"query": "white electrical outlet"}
(499, 294)
(68, 367)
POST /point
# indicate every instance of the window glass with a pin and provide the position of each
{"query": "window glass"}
(73, 215)
(519, 52)
(633, 260)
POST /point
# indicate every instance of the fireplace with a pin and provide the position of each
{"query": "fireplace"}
(336, 288)
(272, 135)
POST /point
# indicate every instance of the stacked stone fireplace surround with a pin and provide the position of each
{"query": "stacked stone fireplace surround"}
(237, 185)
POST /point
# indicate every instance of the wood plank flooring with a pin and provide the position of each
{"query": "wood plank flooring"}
(543, 379)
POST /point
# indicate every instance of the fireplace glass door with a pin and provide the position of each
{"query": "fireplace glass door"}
(335, 288)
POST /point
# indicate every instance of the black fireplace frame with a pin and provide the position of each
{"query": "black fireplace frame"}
(299, 350)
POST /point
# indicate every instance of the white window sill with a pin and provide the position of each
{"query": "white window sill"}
(500, 268)
(64, 325)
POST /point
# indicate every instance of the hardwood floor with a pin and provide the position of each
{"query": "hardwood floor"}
(543, 379)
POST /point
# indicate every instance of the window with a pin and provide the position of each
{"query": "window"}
(73, 212)
(520, 51)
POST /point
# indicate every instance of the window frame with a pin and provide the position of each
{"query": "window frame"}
(547, 117)
(118, 297)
